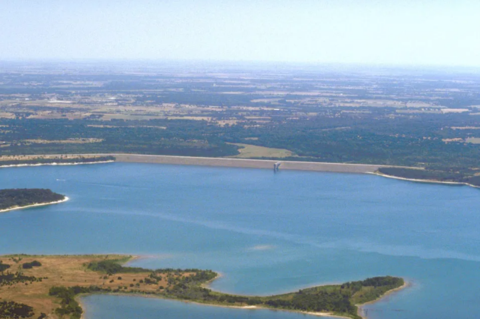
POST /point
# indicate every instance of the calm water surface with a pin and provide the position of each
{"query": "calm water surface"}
(267, 233)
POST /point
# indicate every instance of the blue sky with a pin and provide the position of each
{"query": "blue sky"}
(424, 32)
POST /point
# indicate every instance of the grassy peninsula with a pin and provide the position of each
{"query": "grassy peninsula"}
(47, 286)
(20, 198)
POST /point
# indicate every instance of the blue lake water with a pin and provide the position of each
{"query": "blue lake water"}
(266, 233)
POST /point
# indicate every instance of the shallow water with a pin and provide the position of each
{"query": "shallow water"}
(267, 233)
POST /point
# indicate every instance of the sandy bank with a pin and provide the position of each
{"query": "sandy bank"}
(55, 164)
(34, 205)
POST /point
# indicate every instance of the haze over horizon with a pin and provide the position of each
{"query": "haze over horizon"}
(325, 31)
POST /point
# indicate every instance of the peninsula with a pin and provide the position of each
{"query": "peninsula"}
(11, 199)
(47, 287)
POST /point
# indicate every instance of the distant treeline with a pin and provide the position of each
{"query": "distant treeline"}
(365, 136)
(456, 176)
(10, 198)
(374, 137)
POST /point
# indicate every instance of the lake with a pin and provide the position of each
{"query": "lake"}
(266, 233)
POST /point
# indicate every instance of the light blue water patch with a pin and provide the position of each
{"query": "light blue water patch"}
(266, 233)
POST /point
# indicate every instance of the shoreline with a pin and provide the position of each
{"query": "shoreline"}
(268, 164)
(34, 205)
(207, 284)
(55, 164)
(317, 314)
(246, 163)
(405, 285)
(310, 313)
(429, 181)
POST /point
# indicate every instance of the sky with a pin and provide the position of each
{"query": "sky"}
(393, 32)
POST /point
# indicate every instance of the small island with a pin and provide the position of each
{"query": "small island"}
(48, 286)
(11, 199)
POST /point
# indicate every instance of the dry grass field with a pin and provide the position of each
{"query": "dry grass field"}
(253, 151)
(69, 271)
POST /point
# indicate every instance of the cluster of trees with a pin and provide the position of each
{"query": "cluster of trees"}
(32, 264)
(3, 266)
(337, 301)
(13, 310)
(153, 279)
(111, 267)
(376, 287)
(9, 279)
(68, 305)
(24, 197)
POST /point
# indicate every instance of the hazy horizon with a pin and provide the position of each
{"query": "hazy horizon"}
(368, 32)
